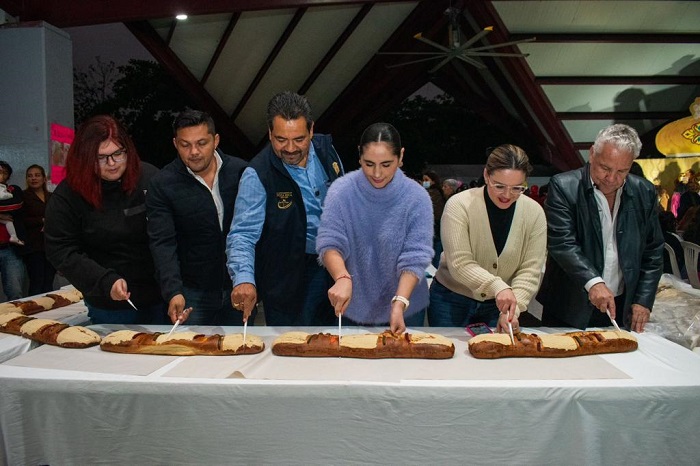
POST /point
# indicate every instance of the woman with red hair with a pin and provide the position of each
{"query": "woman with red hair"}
(95, 226)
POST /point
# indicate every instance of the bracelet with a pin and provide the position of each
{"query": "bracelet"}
(401, 299)
(344, 276)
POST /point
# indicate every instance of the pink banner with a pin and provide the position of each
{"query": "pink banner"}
(61, 139)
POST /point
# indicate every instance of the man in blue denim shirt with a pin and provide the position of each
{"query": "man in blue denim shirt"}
(271, 246)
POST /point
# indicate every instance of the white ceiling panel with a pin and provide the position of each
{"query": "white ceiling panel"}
(195, 39)
(610, 98)
(295, 62)
(251, 41)
(610, 59)
(599, 16)
(376, 28)
(587, 130)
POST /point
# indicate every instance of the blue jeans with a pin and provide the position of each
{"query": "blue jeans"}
(414, 320)
(146, 315)
(437, 247)
(316, 310)
(11, 272)
(450, 309)
(213, 307)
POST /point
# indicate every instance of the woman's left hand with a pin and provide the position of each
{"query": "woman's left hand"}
(119, 292)
(396, 322)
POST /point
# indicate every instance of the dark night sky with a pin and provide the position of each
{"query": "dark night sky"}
(108, 41)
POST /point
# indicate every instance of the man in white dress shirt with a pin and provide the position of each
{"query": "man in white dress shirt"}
(604, 240)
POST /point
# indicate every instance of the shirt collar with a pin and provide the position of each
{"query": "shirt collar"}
(219, 162)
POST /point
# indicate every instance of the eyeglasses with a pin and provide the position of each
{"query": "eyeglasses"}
(502, 188)
(116, 156)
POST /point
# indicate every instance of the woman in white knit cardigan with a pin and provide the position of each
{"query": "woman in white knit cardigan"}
(494, 243)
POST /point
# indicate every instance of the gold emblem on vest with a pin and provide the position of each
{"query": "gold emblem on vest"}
(284, 200)
(336, 168)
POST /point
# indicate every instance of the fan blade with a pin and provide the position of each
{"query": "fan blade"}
(414, 61)
(476, 37)
(472, 62)
(441, 64)
(504, 44)
(410, 53)
(495, 54)
(420, 37)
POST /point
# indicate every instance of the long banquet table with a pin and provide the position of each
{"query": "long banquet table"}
(61, 407)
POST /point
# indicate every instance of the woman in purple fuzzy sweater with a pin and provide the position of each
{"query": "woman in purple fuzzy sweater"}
(376, 237)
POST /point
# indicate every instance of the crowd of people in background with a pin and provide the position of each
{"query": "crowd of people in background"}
(209, 237)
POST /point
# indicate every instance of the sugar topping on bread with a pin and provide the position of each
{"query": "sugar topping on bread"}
(234, 341)
(367, 341)
(614, 335)
(77, 334)
(430, 339)
(501, 338)
(563, 342)
(34, 325)
(292, 337)
(8, 316)
(120, 336)
(186, 336)
(45, 302)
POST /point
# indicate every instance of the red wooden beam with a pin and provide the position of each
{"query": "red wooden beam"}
(63, 13)
(536, 109)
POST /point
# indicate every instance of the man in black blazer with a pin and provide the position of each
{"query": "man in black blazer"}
(190, 207)
(603, 238)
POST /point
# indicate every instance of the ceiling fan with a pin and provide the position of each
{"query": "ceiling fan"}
(457, 49)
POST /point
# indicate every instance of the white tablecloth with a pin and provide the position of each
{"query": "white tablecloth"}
(61, 406)
(13, 345)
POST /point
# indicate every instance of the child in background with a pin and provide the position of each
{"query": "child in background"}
(4, 195)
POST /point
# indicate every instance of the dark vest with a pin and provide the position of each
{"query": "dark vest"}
(280, 253)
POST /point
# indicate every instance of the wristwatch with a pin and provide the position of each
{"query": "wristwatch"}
(401, 299)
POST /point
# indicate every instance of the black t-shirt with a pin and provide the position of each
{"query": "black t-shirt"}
(500, 221)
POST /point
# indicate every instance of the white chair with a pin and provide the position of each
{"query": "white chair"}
(674, 261)
(691, 252)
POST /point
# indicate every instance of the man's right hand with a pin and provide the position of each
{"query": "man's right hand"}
(602, 298)
(176, 309)
(244, 297)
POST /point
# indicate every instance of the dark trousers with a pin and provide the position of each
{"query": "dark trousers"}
(213, 307)
(598, 319)
(154, 314)
(316, 310)
(41, 273)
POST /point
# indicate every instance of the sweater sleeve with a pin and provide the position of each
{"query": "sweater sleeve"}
(526, 280)
(417, 249)
(332, 231)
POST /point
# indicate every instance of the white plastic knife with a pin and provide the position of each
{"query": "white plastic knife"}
(617, 327)
(245, 330)
(131, 304)
(177, 322)
(340, 329)
(510, 330)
